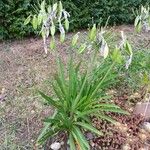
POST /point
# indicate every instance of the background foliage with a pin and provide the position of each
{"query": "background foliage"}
(14, 12)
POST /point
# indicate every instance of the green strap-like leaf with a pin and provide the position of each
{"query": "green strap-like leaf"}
(106, 105)
(129, 48)
(27, 20)
(105, 117)
(48, 134)
(52, 43)
(43, 132)
(52, 29)
(75, 39)
(49, 100)
(62, 37)
(81, 139)
(60, 6)
(62, 76)
(92, 35)
(82, 48)
(136, 21)
(89, 127)
(40, 18)
(120, 111)
(71, 142)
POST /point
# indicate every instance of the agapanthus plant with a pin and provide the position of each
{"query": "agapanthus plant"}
(48, 19)
(79, 95)
(142, 21)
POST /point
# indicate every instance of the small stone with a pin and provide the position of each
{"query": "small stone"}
(89, 136)
(144, 148)
(146, 126)
(62, 143)
(142, 136)
(126, 147)
(55, 146)
(142, 109)
(92, 143)
(32, 111)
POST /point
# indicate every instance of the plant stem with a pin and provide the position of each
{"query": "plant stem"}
(96, 89)
(84, 82)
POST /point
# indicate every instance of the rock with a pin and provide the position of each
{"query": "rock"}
(144, 148)
(126, 147)
(89, 136)
(143, 109)
(55, 146)
(146, 126)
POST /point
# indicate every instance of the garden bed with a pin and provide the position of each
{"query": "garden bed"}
(24, 68)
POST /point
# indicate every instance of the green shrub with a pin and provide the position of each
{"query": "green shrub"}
(78, 97)
(13, 13)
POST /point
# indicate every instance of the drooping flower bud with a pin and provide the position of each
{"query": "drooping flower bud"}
(92, 34)
(104, 50)
(52, 29)
(75, 39)
(82, 48)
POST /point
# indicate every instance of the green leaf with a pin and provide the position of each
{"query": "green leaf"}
(139, 27)
(58, 92)
(47, 135)
(62, 37)
(51, 120)
(105, 117)
(71, 142)
(106, 105)
(92, 35)
(136, 21)
(82, 48)
(52, 29)
(89, 127)
(60, 6)
(67, 24)
(120, 111)
(52, 43)
(128, 48)
(149, 20)
(79, 143)
(44, 130)
(43, 6)
(27, 20)
(49, 100)
(49, 9)
(81, 138)
(145, 79)
(87, 112)
(116, 55)
(72, 80)
(55, 7)
(40, 18)
(75, 39)
(35, 22)
(104, 50)
(60, 78)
